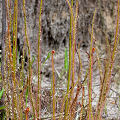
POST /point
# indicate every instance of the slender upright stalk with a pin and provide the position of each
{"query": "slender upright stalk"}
(39, 65)
(53, 83)
(73, 105)
(90, 114)
(11, 66)
(5, 86)
(73, 52)
(30, 71)
(8, 30)
(83, 94)
(14, 57)
(69, 73)
(107, 78)
(73, 23)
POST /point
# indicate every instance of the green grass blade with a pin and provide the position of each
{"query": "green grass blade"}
(2, 107)
(66, 60)
(48, 56)
(1, 93)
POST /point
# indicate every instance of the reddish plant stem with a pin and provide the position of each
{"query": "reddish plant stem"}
(53, 94)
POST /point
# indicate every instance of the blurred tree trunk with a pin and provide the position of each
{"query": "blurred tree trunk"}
(3, 50)
(3, 37)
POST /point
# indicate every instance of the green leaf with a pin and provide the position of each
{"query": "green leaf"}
(66, 60)
(2, 107)
(1, 93)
